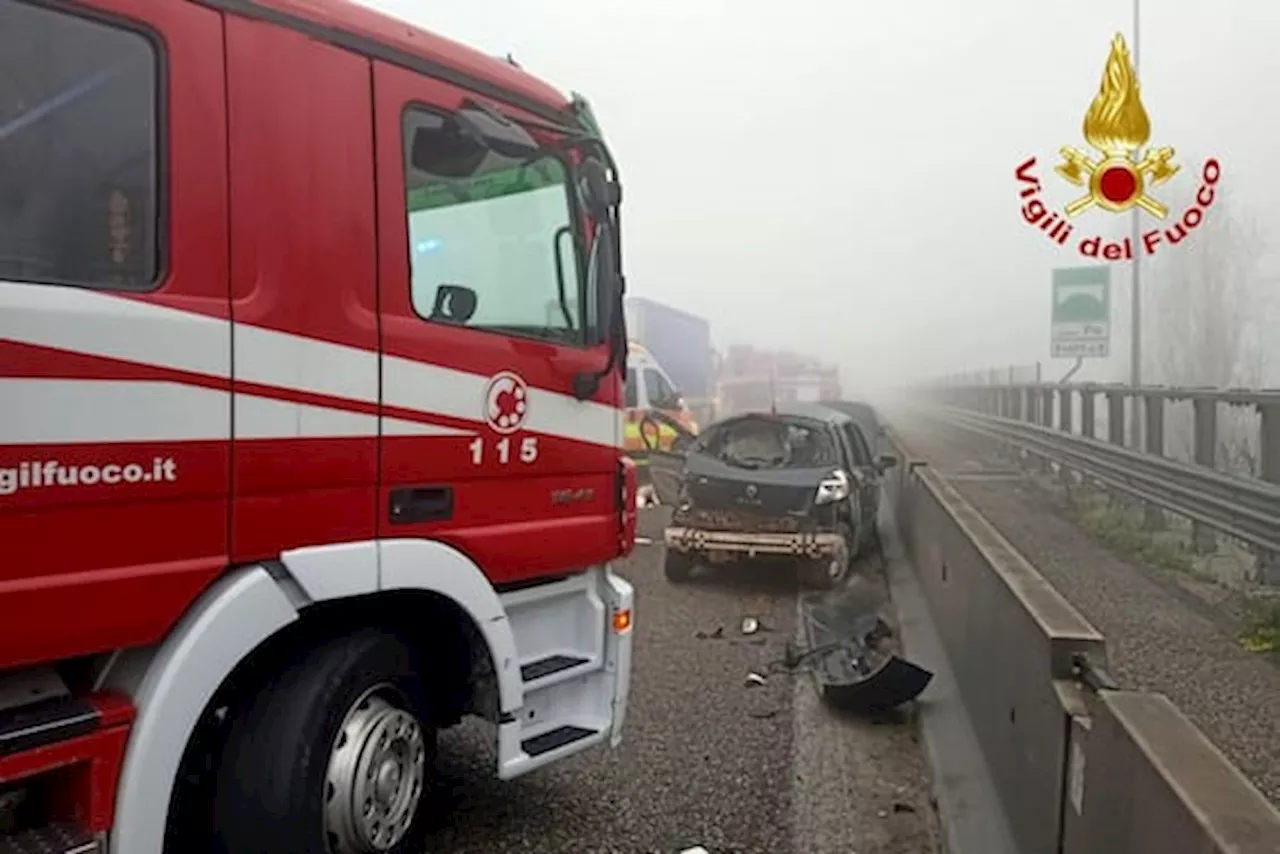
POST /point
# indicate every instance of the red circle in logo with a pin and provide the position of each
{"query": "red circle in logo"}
(1118, 184)
(506, 402)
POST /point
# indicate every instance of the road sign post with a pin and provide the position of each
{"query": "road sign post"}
(1080, 324)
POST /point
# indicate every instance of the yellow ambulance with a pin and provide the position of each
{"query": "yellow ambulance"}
(649, 388)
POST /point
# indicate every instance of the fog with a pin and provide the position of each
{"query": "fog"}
(839, 177)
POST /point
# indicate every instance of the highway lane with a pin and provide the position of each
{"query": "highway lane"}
(705, 760)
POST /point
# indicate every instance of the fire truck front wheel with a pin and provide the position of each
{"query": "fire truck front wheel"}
(334, 756)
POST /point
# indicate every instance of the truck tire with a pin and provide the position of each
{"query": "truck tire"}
(334, 755)
(831, 572)
(677, 566)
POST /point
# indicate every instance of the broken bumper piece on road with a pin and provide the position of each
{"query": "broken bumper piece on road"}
(854, 668)
(748, 544)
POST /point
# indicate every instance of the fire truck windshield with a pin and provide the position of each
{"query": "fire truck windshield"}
(507, 229)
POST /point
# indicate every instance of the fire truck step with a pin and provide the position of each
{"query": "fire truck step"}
(544, 667)
(45, 722)
(65, 838)
(558, 737)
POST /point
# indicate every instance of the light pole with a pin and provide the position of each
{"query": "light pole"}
(1135, 291)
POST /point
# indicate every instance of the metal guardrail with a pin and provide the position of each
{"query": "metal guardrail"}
(1240, 505)
(1245, 508)
(1079, 764)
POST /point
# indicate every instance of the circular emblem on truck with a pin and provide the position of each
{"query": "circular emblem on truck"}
(506, 400)
(751, 490)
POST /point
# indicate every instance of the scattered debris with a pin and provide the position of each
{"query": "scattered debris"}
(646, 496)
(750, 625)
(850, 657)
(697, 849)
(901, 807)
(716, 635)
(644, 541)
(762, 714)
(754, 679)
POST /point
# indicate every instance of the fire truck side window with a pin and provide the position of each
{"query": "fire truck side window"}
(78, 151)
(499, 227)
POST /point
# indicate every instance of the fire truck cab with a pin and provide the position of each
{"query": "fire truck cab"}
(295, 470)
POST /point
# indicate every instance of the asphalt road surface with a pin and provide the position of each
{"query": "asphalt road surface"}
(705, 760)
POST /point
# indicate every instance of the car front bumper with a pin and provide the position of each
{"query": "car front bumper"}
(805, 544)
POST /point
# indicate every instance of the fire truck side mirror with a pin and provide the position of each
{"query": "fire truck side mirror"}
(606, 272)
(600, 194)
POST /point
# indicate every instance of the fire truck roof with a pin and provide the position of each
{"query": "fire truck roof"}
(379, 36)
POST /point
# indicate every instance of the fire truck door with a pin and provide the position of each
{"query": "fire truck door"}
(484, 445)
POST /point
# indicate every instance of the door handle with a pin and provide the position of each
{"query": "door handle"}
(421, 504)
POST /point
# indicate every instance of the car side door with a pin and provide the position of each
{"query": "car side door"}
(848, 461)
(868, 481)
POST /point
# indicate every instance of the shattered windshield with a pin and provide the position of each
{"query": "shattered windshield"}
(769, 442)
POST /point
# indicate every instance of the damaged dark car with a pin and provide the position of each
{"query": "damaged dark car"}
(798, 485)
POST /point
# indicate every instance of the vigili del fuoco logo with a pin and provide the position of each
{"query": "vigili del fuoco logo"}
(1117, 176)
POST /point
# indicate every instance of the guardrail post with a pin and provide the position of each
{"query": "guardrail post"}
(1046, 407)
(1203, 539)
(1115, 424)
(1269, 446)
(1086, 412)
(1065, 424)
(1115, 417)
(1153, 516)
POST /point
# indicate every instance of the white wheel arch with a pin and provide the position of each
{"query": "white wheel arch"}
(173, 682)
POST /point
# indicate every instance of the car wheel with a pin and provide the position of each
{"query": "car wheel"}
(335, 756)
(830, 572)
(677, 566)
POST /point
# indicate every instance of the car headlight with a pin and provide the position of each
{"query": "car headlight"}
(834, 487)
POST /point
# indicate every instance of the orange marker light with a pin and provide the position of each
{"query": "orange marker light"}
(622, 621)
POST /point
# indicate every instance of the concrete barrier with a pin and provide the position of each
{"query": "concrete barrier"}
(1080, 766)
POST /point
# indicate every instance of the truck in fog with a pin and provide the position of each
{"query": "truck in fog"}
(750, 378)
(681, 343)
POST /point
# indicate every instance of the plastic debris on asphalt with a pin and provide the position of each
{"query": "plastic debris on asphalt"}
(848, 653)
(647, 496)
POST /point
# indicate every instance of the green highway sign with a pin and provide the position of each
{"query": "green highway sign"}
(1081, 320)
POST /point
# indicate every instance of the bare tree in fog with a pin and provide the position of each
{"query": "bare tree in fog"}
(1210, 304)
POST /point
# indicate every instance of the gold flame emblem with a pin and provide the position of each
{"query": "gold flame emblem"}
(1117, 126)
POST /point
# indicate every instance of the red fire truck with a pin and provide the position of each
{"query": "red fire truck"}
(295, 470)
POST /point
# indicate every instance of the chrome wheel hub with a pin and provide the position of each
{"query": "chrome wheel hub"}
(377, 766)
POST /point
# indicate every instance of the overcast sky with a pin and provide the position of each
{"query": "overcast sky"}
(839, 176)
